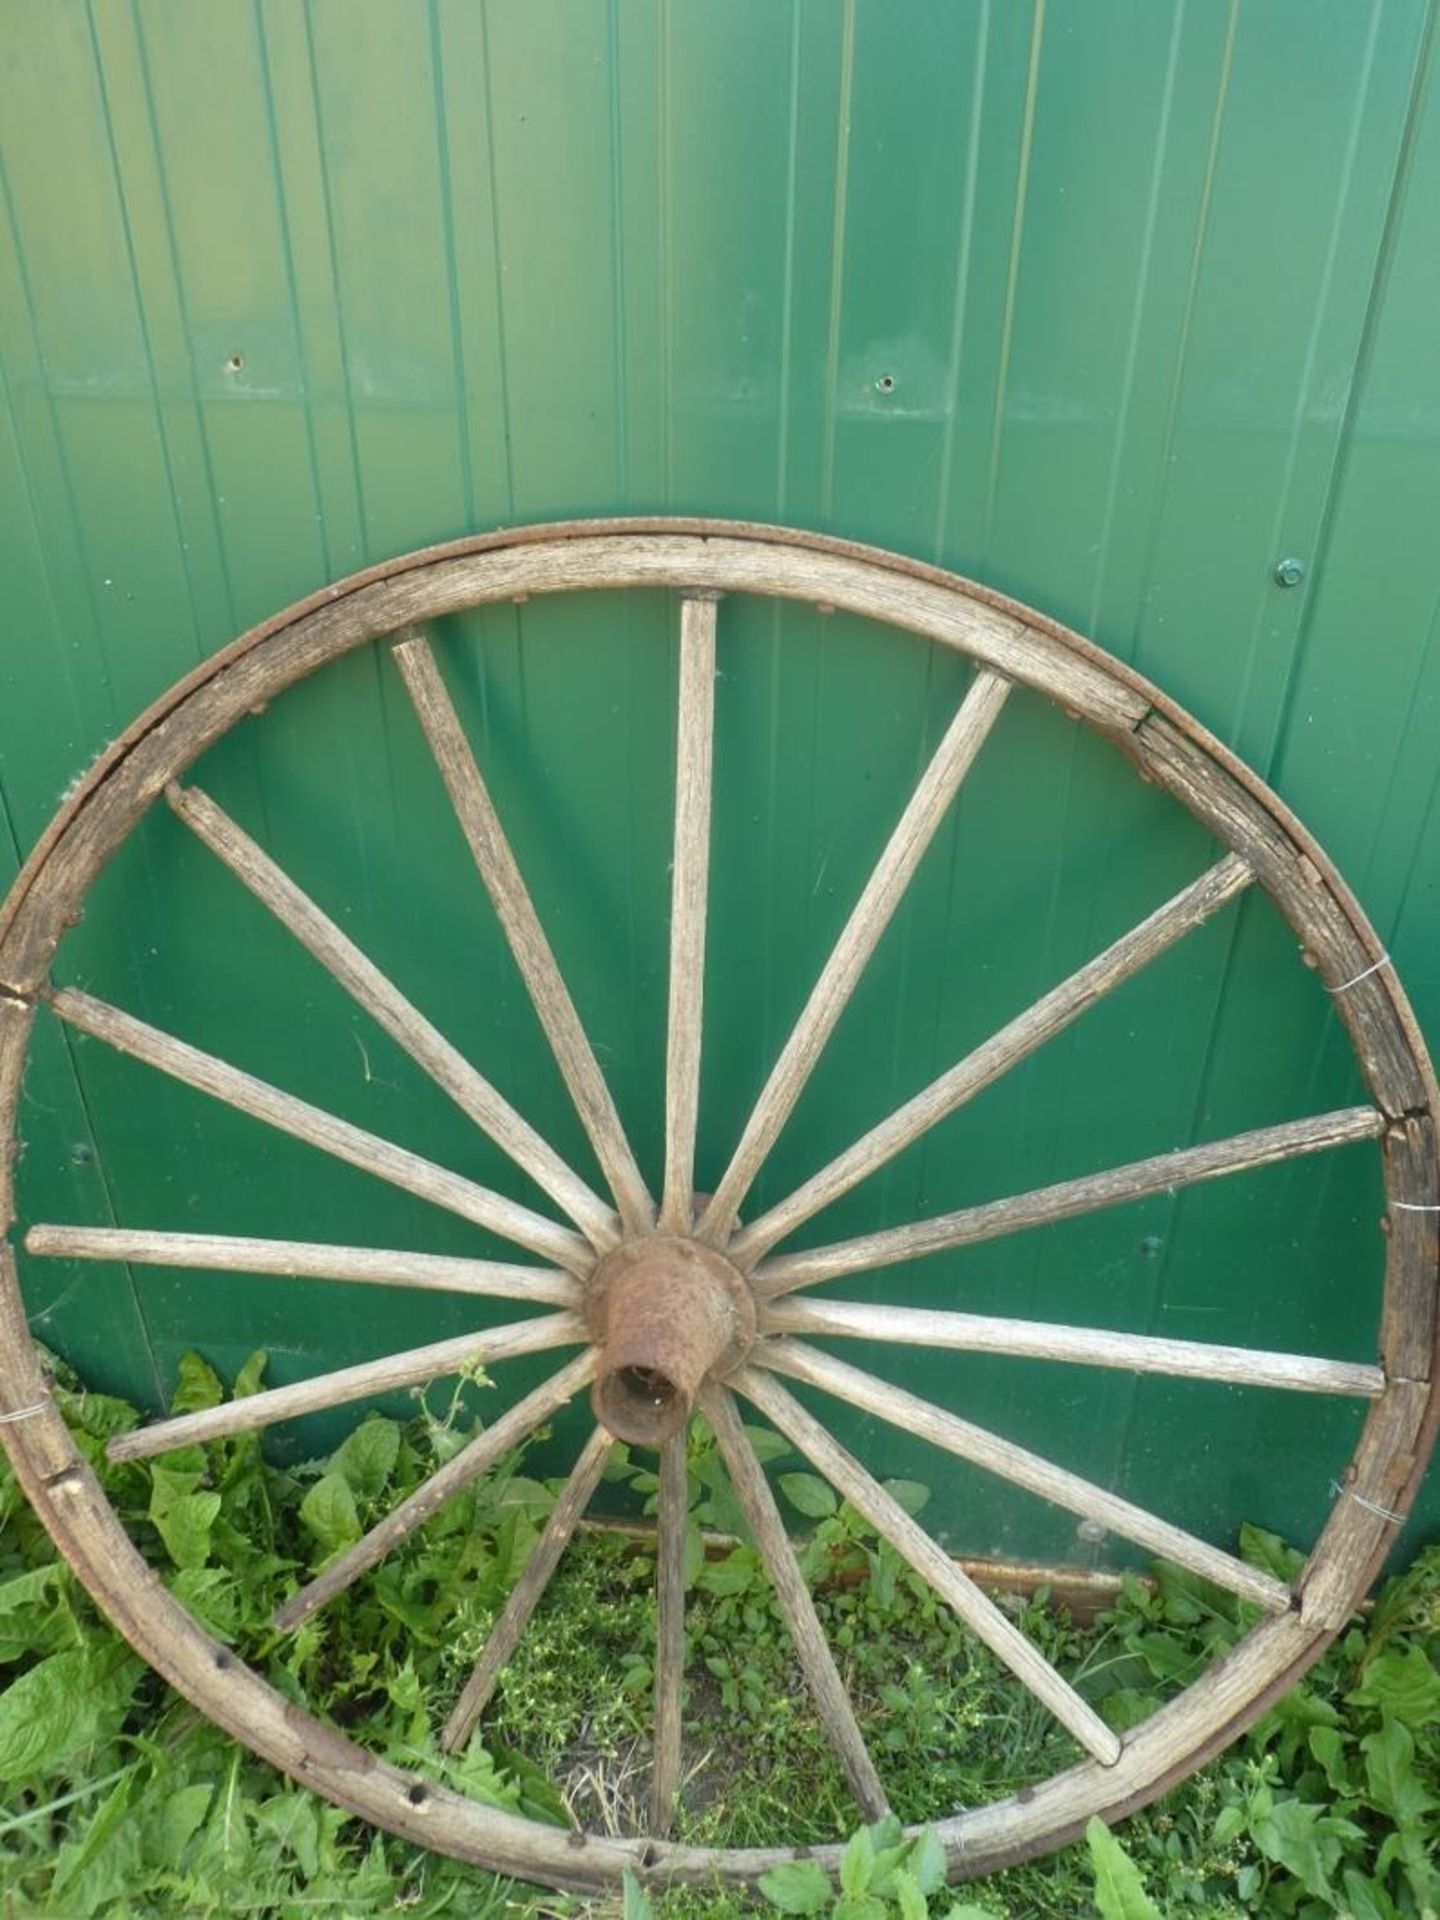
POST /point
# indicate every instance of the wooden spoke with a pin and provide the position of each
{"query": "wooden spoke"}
(669, 1630)
(1040, 1476)
(1089, 1346)
(305, 1260)
(501, 874)
(380, 998)
(1141, 1178)
(872, 913)
(508, 1430)
(526, 1593)
(817, 1663)
(411, 1368)
(694, 754)
(931, 1562)
(323, 1130)
(1003, 1050)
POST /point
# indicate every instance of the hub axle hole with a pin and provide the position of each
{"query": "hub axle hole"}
(639, 1404)
(646, 1386)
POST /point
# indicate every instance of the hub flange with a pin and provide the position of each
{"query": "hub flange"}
(667, 1314)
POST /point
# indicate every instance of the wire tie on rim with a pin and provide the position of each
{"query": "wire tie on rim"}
(1346, 985)
(1370, 1506)
(1416, 1206)
(23, 1413)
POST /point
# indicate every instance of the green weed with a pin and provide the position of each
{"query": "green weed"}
(120, 1802)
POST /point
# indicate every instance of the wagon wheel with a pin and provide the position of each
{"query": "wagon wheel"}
(678, 1304)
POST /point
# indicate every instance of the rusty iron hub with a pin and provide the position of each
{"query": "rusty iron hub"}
(668, 1315)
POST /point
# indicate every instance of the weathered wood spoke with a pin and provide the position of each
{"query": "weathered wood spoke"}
(380, 998)
(411, 1368)
(1162, 1174)
(694, 754)
(305, 1260)
(1049, 1016)
(671, 1521)
(526, 1594)
(832, 1702)
(1088, 1346)
(1029, 1470)
(931, 1562)
(925, 810)
(323, 1130)
(508, 1430)
(500, 872)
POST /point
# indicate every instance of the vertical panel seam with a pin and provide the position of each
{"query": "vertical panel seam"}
(287, 248)
(447, 222)
(62, 463)
(1132, 345)
(787, 270)
(42, 553)
(839, 208)
(1012, 271)
(161, 436)
(939, 539)
(1297, 422)
(1192, 288)
(333, 263)
(1385, 255)
(172, 252)
(618, 327)
(497, 276)
(665, 212)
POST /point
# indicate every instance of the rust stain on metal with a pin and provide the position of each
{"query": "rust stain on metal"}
(668, 1315)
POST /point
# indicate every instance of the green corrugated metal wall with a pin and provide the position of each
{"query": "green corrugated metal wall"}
(1110, 305)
